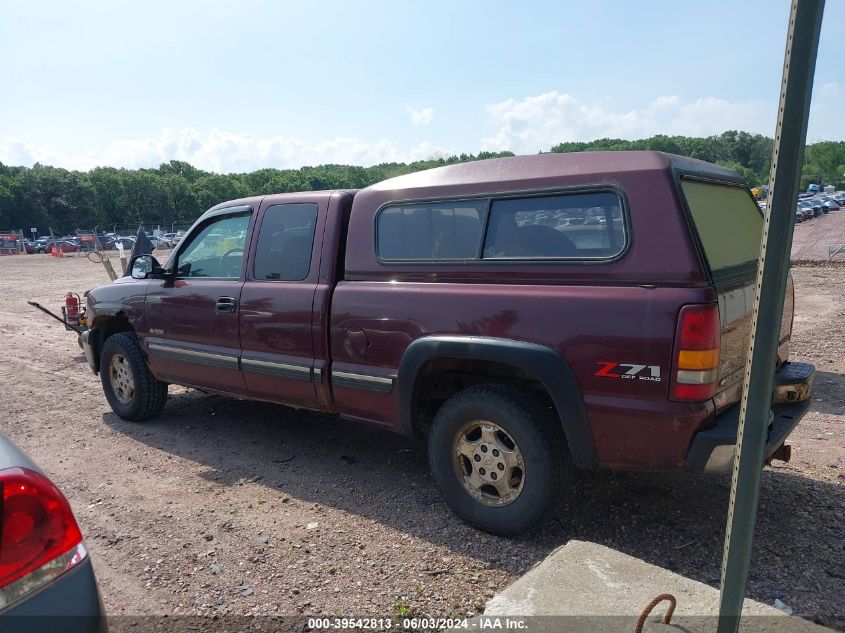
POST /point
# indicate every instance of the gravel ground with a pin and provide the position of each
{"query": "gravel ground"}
(223, 506)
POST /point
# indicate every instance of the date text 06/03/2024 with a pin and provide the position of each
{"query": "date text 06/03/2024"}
(417, 624)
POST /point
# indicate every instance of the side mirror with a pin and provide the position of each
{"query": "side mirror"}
(145, 267)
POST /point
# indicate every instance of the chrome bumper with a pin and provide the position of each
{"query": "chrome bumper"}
(89, 350)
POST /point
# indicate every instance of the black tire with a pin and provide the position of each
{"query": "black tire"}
(147, 395)
(539, 438)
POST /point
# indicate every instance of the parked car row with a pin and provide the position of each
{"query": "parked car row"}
(46, 245)
(161, 241)
(108, 241)
(811, 207)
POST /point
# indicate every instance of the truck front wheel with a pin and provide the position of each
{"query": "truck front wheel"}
(132, 391)
(497, 457)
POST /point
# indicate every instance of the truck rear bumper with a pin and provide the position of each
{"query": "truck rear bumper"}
(713, 450)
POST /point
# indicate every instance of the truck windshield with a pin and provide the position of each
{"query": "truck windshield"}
(729, 225)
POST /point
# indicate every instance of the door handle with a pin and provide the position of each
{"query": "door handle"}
(226, 305)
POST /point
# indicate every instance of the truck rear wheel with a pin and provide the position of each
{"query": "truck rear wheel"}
(132, 391)
(497, 457)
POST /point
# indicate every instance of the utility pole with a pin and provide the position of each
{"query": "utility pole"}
(773, 267)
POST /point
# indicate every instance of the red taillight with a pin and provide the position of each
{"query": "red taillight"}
(37, 524)
(695, 370)
(698, 327)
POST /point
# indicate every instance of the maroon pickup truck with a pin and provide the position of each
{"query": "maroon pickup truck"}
(525, 315)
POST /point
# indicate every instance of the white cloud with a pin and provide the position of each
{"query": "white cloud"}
(710, 115)
(222, 151)
(829, 89)
(665, 102)
(420, 117)
(524, 125)
(536, 123)
(14, 151)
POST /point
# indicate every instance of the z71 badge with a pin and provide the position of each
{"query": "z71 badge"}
(629, 371)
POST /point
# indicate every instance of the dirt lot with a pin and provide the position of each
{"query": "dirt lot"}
(224, 506)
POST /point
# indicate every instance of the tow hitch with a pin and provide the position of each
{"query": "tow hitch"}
(793, 382)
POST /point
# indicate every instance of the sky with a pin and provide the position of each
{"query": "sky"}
(238, 86)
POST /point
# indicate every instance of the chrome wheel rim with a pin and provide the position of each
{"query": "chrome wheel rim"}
(120, 375)
(488, 463)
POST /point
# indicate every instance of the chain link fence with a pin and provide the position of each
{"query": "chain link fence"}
(820, 239)
(11, 242)
(129, 230)
(150, 227)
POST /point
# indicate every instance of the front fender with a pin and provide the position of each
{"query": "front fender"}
(111, 308)
(123, 297)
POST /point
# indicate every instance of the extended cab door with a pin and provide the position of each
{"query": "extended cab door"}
(278, 323)
(192, 335)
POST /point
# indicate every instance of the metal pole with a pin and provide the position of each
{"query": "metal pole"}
(773, 267)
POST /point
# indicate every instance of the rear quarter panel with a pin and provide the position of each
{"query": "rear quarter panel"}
(633, 423)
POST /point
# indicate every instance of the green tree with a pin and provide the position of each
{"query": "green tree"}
(182, 199)
(176, 191)
(824, 162)
(212, 189)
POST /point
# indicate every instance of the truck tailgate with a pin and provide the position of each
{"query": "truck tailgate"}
(729, 226)
(735, 310)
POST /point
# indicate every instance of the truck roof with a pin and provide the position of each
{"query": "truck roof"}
(275, 198)
(510, 173)
(663, 241)
(514, 173)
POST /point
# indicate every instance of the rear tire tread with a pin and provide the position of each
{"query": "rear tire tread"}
(553, 452)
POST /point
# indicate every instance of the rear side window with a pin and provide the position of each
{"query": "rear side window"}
(285, 242)
(587, 225)
(729, 224)
(582, 226)
(431, 231)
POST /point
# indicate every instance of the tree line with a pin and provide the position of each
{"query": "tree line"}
(748, 154)
(176, 192)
